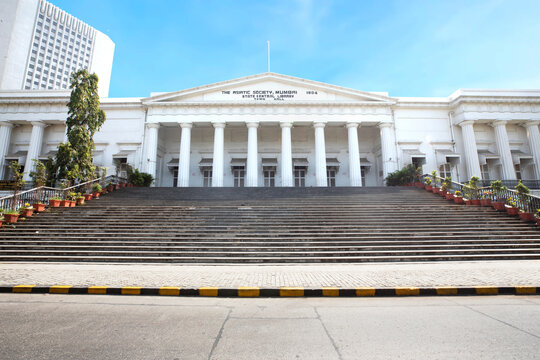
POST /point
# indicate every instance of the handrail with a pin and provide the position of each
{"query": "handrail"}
(42, 194)
(526, 202)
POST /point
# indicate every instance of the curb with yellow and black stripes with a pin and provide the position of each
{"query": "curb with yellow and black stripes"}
(274, 292)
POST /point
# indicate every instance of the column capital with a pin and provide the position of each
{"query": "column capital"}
(530, 123)
(7, 124)
(252, 124)
(385, 125)
(466, 122)
(38, 123)
(186, 125)
(352, 125)
(286, 124)
(319, 124)
(498, 123)
(152, 125)
(218, 124)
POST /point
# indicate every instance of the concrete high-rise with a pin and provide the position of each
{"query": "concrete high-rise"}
(41, 45)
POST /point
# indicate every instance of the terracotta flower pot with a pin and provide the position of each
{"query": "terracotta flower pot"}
(27, 212)
(512, 211)
(475, 202)
(537, 222)
(429, 187)
(420, 185)
(96, 194)
(104, 191)
(123, 185)
(442, 193)
(498, 205)
(117, 186)
(449, 196)
(485, 202)
(1, 223)
(72, 203)
(65, 203)
(80, 201)
(467, 202)
(38, 207)
(458, 199)
(54, 203)
(436, 190)
(527, 216)
(88, 197)
(11, 218)
(110, 188)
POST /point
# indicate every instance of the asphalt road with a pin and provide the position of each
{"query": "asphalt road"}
(40, 326)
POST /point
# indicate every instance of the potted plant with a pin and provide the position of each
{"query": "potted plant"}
(498, 190)
(88, 196)
(458, 197)
(55, 201)
(79, 199)
(526, 213)
(27, 210)
(1, 218)
(445, 186)
(511, 207)
(110, 186)
(538, 217)
(96, 190)
(428, 184)
(473, 191)
(435, 182)
(11, 216)
(39, 177)
(485, 199)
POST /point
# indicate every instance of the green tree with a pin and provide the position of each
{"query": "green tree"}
(85, 118)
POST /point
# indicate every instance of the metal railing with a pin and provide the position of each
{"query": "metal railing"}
(531, 184)
(526, 202)
(42, 194)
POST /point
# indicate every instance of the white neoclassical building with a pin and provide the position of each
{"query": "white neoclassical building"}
(277, 130)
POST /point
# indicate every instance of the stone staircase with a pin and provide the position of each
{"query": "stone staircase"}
(269, 225)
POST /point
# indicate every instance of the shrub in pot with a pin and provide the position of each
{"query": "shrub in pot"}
(511, 207)
(429, 187)
(526, 213)
(11, 216)
(498, 190)
(96, 190)
(54, 202)
(458, 198)
(27, 210)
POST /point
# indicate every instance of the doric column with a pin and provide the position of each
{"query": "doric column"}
(320, 155)
(355, 175)
(533, 134)
(286, 155)
(34, 148)
(471, 151)
(252, 154)
(152, 131)
(503, 146)
(184, 158)
(388, 148)
(5, 138)
(217, 161)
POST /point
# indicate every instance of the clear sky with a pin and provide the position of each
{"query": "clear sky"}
(405, 47)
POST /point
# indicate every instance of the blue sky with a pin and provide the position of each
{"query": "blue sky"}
(405, 47)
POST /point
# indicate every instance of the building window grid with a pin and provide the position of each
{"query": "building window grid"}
(484, 171)
(445, 170)
(239, 175)
(331, 176)
(269, 175)
(517, 169)
(299, 176)
(207, 178)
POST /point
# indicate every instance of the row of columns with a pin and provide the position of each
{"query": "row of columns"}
(503, 147)
(388, 149)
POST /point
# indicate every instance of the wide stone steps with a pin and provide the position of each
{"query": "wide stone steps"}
(254, 225)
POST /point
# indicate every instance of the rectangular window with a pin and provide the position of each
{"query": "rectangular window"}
(299, 176)
(484, 170)
(331, 177)
(363, 171)
(175, 176)
(517, 168)
(238, 175)
(269, 177)
(207, 178)
(445, 170)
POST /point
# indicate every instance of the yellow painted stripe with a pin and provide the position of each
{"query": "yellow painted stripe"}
(208, 291)
(131, 290)
(97, 290)
(59, 289)
(247, 291)
(169, 290)
(330, 291)
(446, 290)
(487, 290)
(525, 290)
(365, 291)
(23, 288)
(407, 291)
(291, 291)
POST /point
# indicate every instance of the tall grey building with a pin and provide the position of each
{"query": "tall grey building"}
(41, 45)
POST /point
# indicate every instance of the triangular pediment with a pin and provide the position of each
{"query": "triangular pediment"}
(268, 88)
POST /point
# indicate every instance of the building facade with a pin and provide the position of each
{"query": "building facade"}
(277, 130)
(41, 45)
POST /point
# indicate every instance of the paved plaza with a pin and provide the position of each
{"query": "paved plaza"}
(380, 275)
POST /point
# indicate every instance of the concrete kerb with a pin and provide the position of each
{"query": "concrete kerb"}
(275, 292)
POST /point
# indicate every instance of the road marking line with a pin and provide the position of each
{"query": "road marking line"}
(407, 291)
(446, 290)
(169, 291)
(97, 290)
(59, 289)
(487, 290)
(365, 291)
(131, 290)
(245, 291)
(208, 291)
(525, 290)
(291, 291)
(330, 291)
(23, 288)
